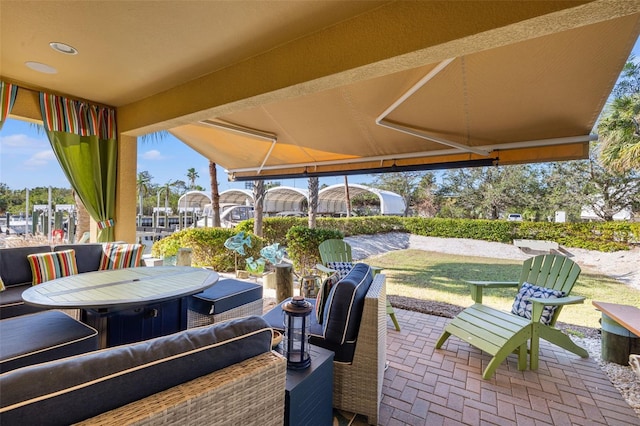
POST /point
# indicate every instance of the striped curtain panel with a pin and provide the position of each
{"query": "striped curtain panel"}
(7, 98)
(83, 138)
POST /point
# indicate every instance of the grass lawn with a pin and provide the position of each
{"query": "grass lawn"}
(441, 277)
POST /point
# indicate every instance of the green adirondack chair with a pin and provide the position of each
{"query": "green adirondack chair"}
(501, 333)
(335, 250)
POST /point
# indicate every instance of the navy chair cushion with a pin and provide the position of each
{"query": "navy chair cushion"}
(343, 312)
(344, 305)
(41, 337)
(12, 305)
(88, 256)
(14, 266)
(225, 295)
(16, 276)
(81, 387)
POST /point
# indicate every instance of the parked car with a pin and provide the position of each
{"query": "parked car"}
(514, 217)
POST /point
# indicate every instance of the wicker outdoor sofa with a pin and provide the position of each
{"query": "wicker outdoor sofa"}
(221, 374)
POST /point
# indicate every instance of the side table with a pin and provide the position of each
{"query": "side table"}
(309, 392)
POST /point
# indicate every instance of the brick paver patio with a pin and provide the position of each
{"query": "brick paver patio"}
(424, 386)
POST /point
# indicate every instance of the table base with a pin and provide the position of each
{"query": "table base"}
(139, 323)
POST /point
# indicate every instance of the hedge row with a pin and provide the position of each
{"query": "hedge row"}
(302, 243)
(601, 236)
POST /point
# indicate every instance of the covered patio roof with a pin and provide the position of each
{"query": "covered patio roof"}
(529, 101)
(270, 89)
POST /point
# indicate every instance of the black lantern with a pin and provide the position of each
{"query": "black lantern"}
(295, 342)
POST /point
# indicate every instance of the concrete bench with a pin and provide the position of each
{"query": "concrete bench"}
(620, 331)
(538, 245)
(227, 299)
(41, 337)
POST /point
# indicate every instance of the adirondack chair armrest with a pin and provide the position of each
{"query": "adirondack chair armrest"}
(560, 301)
(476, 287)
(324, 269)
(539, 303)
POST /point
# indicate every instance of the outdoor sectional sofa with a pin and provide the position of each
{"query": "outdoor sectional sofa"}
(15, 272)
(221, 374)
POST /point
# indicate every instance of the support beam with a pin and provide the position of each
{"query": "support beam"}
(125, 213)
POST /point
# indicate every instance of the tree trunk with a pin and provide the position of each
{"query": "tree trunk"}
(346, 196)
(258, 206)
(83, 218)
(284, 282)
(313, 200)
(215, 193)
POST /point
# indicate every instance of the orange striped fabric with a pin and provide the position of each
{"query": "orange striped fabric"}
(7, 98)
(118, 256)
(49, 266)
(61, 114)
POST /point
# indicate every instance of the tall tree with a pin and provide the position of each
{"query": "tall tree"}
(258, 206)
(314, 188)
(425, 203)
(489, 192)
(192, 175)
(619, 127)
(405, 184)
(607, 192)
(215, 193)
(143, 184)
(561, 189)
(347, 199)
(4, 197)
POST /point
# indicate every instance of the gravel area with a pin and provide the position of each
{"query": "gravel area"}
(622, 266)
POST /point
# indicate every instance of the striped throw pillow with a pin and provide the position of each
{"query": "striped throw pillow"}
(118, 256)
(49, 266)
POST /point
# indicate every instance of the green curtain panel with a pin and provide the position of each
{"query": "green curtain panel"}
(83, 137)
(7, 98)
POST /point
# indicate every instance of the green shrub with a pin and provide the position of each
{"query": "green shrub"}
(274, 229)
(207, 245)
(302, 246)
(602, 236)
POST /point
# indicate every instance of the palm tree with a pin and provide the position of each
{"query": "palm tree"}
(258, 206)
(346, 196)
(215, 193)
(619, 128)
(142, 184)
(313, 200)
(192, 175)
(619, 131)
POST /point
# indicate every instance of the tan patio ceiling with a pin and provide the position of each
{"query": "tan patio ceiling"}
(531, 101)
(322, 82)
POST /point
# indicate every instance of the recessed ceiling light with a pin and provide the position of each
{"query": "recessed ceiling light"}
(63, 48)
(40, 67)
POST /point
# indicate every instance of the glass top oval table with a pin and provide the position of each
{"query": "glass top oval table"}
(126, 305)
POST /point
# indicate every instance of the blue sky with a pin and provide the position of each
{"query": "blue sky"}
(27, 161)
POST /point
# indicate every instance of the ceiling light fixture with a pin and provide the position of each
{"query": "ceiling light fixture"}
(63, 48)
(40, 67)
